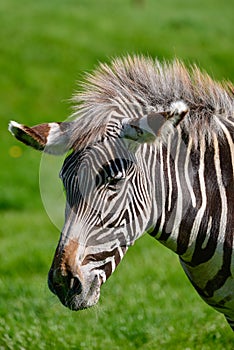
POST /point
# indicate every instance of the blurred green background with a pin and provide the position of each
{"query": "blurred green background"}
(45, 46)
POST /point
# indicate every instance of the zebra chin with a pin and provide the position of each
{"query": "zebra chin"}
(87, 298)
(73, 293)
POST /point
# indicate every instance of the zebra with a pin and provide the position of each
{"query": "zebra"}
(150, 150)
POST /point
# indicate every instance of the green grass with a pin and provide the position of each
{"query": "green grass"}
(147, 304)
(44, 48)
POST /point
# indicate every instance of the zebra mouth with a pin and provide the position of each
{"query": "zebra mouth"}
(87, 296)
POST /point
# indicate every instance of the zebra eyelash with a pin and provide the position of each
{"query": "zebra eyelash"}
(113, 181)
(113, 173)
(117, 177)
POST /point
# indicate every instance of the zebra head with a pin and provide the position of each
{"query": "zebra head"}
(109, 198)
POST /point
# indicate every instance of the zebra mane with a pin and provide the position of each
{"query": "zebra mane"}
(140, 81)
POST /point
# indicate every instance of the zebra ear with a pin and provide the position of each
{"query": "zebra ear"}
(49, 137)
(155, 124)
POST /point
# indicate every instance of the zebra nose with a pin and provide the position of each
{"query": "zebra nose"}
(64, 286)
(75, 285)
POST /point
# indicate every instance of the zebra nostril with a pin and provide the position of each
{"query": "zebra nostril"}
(61, 285)
(75, 285)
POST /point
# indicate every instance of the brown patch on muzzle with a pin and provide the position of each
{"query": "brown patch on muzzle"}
(65, 260)
(65, 276)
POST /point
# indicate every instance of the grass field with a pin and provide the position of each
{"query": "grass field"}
(44, 48)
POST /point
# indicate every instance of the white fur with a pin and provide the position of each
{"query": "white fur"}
(14, 125)
(57, 141)
(179, 107)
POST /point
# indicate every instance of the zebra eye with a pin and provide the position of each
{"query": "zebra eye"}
(112, 181)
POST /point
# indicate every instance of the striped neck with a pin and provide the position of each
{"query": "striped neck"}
(192, 191)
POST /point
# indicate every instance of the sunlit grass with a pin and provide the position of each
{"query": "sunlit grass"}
(147, 301)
